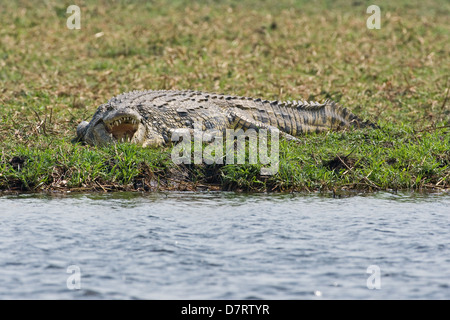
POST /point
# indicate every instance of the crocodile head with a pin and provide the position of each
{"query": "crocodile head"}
(116, 124)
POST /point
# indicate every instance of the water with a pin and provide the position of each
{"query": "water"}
(224, 246)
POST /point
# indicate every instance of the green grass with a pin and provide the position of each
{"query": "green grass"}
(51, 78)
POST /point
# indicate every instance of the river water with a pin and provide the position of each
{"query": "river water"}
(224, 246)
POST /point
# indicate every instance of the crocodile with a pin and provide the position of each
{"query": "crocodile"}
(148, 118)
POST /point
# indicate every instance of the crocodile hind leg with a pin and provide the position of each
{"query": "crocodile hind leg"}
(237, 120)
(240, 121)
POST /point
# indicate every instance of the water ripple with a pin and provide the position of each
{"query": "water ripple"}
(224, 246)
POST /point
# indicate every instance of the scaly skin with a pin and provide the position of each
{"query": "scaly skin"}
(148, 118)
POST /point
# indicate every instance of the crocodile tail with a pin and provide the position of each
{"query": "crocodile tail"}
(344, 118)
(318, 117)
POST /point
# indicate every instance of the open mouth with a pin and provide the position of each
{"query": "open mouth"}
(122, 128)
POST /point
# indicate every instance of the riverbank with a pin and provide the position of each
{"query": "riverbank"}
(52, 78)
(364, 160)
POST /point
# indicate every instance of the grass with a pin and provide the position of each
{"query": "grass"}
(52, 78)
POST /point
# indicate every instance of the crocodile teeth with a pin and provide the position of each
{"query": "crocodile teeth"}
(123, 120)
